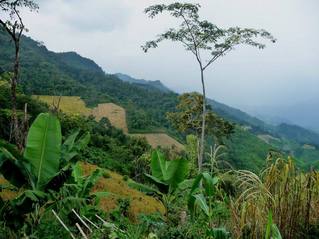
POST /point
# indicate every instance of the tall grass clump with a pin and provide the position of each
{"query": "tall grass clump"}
(292, 197)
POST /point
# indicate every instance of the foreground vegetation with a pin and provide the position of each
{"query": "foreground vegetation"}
(160, 195)
(76, 176)
(47, 184)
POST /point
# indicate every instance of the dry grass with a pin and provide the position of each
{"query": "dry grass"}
(162, 140)
(139, 202)
(68, 104)
(7, 194)
(116, 115)
(292, 196)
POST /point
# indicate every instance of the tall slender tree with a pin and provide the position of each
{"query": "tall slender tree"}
(11, 21)
(206, 41)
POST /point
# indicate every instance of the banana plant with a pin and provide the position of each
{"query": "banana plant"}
(43, 162)
(73, 145)
(77, 192)
(167, 175)
(203, 196)
(43, 149)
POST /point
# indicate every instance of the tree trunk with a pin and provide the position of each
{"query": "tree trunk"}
(202, 139)
(14, 81)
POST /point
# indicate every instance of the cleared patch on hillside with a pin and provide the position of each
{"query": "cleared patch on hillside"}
(309, 147)
(116, 115)
(268, 138)
(68, 104)
(119, 189)
(162, 140)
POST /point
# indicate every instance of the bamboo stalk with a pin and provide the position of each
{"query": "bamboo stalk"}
(65, 227)
(81, 231)
(104, 222)
(83, 222)
(93, 224)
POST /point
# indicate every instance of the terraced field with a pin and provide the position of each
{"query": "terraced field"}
(115, 114)
(68, 104)
(162, 140)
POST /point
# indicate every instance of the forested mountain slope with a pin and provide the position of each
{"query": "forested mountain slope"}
(150, 84)
(47, 73)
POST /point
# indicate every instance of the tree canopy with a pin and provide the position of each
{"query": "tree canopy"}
(188, 118)
(198, 35)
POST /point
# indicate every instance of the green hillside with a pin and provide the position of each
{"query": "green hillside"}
(47, 73)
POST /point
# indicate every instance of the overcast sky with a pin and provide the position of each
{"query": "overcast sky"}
(110, 32)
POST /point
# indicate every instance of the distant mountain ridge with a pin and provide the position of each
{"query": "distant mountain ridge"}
(77, 61)
(156, 84)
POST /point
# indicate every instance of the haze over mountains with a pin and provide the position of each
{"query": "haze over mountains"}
(304, 114)
(274, 116)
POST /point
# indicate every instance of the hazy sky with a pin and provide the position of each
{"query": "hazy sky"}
(284, 75)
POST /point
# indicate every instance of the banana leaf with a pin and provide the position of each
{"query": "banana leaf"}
(168, 172)
(43, 149)
(71, 147)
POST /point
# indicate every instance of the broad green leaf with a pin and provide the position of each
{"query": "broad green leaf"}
(83, 141)
(158, 166)
(196, 184)
(156, 180)
(191, 204)
(71, 146)
(177, 171)
(275, 232)
(69, 142)
(168, 172)
(141, 187)
(209, 183)
(43, 149)
(34, 195)
(186, 184)
(77, 174)
(201, 202)
(191, 198)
